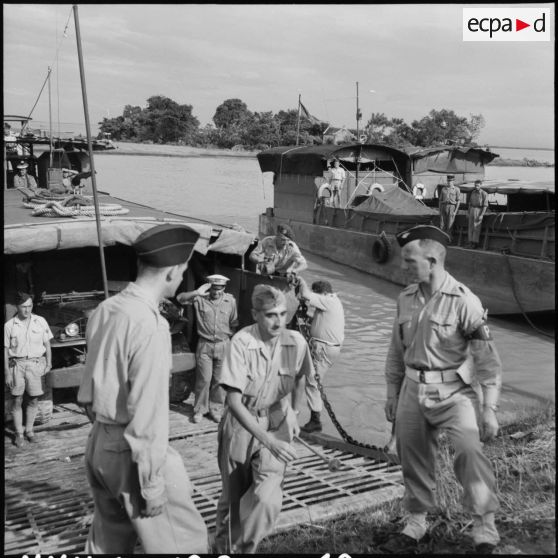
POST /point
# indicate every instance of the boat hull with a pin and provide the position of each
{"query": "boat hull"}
(506, 284)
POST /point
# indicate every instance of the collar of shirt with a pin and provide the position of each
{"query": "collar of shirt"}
(132, 289)
(448, 286)
(32, 318)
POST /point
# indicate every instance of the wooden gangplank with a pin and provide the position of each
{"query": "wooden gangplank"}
(49, 507)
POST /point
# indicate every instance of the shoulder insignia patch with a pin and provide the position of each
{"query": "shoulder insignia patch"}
(482, 333)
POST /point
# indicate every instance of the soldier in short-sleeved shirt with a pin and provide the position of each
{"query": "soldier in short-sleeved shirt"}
(440, 347)
(260, 373)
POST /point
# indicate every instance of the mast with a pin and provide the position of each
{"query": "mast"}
(298, 120)
(90, 148)
(51, 158)
(358, 117)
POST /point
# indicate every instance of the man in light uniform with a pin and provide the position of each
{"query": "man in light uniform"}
(477, 205)
(24, 180)
(448, 204)
(139, 484)
(27, 358)
(429, 378)
(337, 177)
(279, 254)
(263, 369)
(327, 332)
(217, 320)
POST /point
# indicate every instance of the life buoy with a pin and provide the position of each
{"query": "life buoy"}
(381, 250)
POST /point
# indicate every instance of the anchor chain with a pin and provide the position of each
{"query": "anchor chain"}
(302, 323)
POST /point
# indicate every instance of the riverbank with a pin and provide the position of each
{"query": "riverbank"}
(157, 150)
(524, 461)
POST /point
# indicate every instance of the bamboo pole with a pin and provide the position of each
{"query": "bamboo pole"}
(90, 148)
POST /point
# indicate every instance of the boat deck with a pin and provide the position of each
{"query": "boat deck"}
(49, 507)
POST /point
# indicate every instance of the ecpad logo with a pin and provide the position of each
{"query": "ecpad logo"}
(506, 24)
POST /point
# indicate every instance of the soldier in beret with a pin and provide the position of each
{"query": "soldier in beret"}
(429, 386)
(217, 320)
(139, 484)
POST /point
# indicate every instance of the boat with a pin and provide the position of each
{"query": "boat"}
(512, 271)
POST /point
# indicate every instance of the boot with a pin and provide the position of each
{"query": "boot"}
(314, 424)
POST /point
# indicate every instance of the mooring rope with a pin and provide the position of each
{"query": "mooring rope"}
(57, 209)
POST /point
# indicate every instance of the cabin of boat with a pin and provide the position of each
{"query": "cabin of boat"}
(57, 260)
(376, 203)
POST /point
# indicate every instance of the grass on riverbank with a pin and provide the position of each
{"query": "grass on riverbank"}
(524, 461)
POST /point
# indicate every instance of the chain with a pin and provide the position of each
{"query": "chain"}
(302, 322)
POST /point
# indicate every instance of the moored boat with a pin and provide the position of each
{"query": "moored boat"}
(513, 269)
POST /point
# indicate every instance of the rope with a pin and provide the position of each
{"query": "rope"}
(303, 321)
(57, 209)
(521, 306)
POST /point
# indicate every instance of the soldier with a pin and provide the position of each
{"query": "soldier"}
(448, 204)
(429, 386)
(327, 332)
(477, 206)
(264, 365)
(139, 484)
(27, 357)
(217, 320)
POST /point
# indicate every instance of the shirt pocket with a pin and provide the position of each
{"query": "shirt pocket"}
(444, 328)
(252, 385)
(36, 333)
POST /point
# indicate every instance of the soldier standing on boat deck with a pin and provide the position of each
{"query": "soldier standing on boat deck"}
(429, 378)
(139, 484)
(477, 206)
(338, 176)
(27, 358)
(448, 204)
(263, 370)
(217, 320)
(327, 333)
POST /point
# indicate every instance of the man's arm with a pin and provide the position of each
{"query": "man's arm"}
(184, 298)
(48, 355)
(8, 375)
(394, 371)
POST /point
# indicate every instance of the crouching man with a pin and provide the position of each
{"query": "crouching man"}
(263, 370)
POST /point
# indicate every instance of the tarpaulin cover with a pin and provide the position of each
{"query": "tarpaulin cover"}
(450, 159)
(310, 160)
(394, 201)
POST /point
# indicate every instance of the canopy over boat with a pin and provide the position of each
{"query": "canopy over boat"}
(394, 201)
(25, 233)
(450, 159)
(311, 159)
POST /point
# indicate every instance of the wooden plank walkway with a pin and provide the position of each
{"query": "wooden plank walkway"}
(48, 505)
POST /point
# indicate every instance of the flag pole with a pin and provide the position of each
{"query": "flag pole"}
(298, 120)
(90, 148)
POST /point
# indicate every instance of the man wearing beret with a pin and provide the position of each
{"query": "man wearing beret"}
(139, 484)
(279, 254)
(429, 379)
(27, 357)
(448, 204)
(217, 320)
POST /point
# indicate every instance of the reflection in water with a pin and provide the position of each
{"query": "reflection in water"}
(230, 190)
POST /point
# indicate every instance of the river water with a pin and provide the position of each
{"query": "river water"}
(233, 190)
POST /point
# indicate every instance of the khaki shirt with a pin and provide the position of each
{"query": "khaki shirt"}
(478, 199)
(328, 323)
(126, 378)
(450, 195)
(26, 339)
(283, 258)
(26, 181)
(265, 380)
(216, 319)
(433, 336)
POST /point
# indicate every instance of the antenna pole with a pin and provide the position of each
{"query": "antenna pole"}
(298, 120)
(90, 148)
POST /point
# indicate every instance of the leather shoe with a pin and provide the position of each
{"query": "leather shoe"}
(31, 437)
(19, 441)
(400, 544)
(485, 548)
(197, 417)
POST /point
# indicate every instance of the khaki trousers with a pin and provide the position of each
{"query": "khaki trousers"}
(422, 410)
(209, 395)
(114, 483)
(251, 497)
(474, 230)
(323, 356)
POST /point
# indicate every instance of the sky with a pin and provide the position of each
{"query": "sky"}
(407, 60)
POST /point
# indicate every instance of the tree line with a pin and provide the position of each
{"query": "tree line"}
(168, 122)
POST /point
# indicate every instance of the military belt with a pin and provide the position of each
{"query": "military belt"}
(431, 376)
(259, 412)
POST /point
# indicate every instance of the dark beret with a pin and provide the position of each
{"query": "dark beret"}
(286, 231)
(165, 245)
(422, 231)
(22, 297)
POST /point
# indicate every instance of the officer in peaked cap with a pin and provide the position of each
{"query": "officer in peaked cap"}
(141, 490)
(165, 245)
(423, 232)
(440, 347)
(217, 320)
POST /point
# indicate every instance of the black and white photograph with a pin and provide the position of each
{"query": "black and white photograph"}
(279, 279)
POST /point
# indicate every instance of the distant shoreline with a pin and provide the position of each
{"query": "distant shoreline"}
(158, 150)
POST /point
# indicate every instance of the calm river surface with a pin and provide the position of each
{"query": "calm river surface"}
(233, 190)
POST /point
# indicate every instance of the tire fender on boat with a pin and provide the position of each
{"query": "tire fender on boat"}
(381, 249)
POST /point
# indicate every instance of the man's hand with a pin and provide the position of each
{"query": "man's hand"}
(291, 420)
(154, 507)
(489, 425)
(203, 290)
(281, 450)
(391, 408)
(48, 367)
(9, 379)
